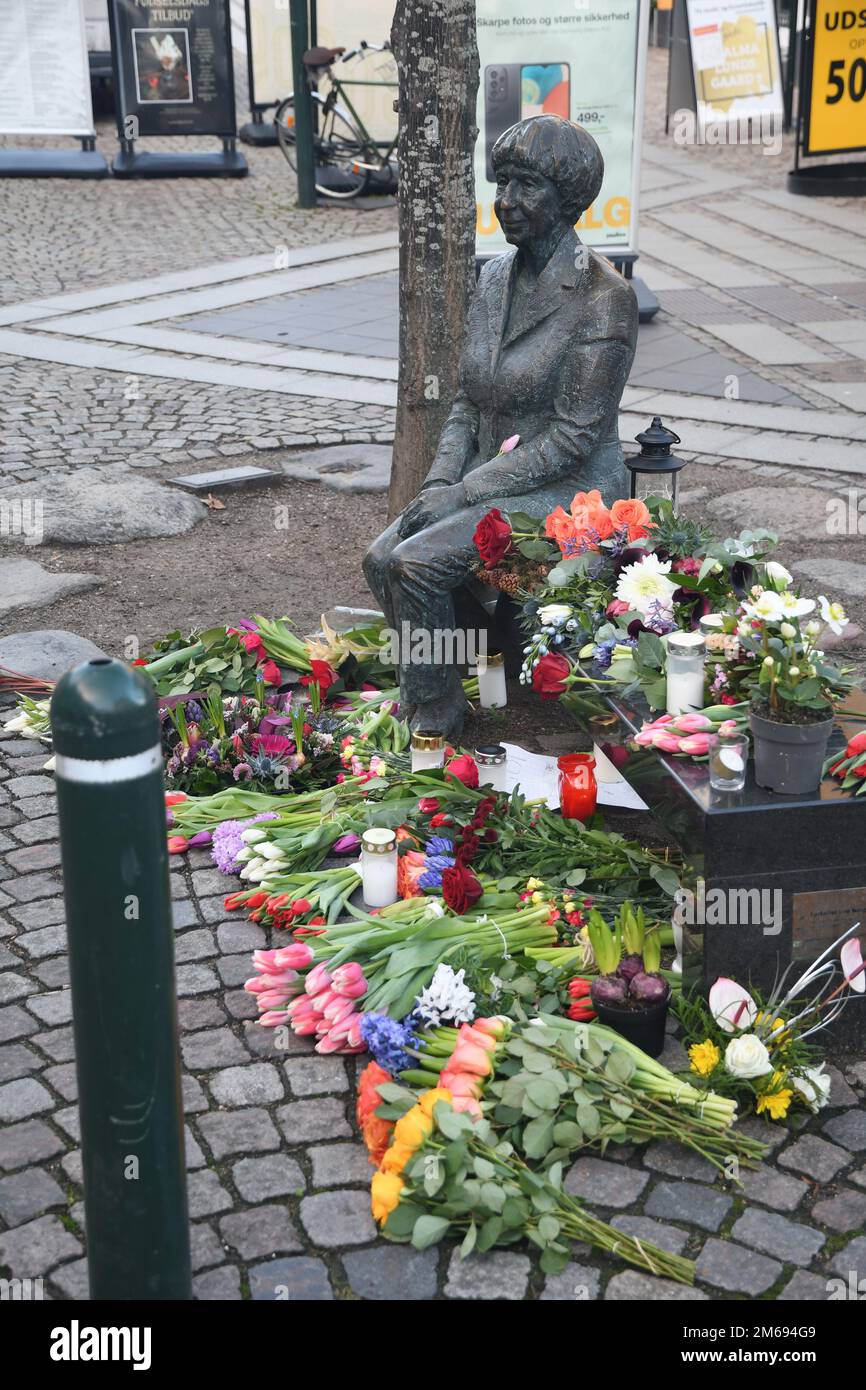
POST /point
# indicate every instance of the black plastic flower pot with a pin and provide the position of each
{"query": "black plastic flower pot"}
(789, 757)
(643, 1027)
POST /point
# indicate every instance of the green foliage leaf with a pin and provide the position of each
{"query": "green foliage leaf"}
(588, 1119)
(490, 1232)
(492, 1196)
(537, 1136)
(469, 1240)
(428, 1230)
(548, 1228)
(543, 1093)
(620, 1066)
(568, 1133)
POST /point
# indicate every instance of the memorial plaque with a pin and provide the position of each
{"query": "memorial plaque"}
(819, 919)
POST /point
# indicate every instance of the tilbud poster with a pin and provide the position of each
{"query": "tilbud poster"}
(46, 77)
(581, 59)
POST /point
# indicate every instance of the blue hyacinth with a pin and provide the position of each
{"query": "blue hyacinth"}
(387, 1039)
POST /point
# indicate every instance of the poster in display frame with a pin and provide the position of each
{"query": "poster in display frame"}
(259, 131)
(173, 75)
(848, 177)
(546, 85)
(765, 100)
(66, 111)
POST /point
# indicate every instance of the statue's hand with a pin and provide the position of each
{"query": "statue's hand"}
(430, 506)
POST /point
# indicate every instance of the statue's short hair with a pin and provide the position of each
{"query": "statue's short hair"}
(561, 150)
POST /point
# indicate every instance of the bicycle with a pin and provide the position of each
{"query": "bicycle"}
(342, 144)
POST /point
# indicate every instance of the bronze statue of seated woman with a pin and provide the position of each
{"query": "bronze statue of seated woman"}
(550, 339)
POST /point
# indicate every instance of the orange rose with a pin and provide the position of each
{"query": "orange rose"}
(559, 527)
(376, 1131)
(589, 513)
(631, 512)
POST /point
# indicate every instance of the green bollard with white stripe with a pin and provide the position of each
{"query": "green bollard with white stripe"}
(111, 804)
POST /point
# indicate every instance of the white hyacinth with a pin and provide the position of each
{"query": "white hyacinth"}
(446, 998)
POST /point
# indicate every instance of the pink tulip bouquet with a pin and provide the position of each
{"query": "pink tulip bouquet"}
(688, 735)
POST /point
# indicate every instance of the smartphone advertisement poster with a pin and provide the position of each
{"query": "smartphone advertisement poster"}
(735, 60)
(173, 67)
(583, 60)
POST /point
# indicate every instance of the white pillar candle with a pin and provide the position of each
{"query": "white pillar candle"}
(379, 867)
(685, 672)
(428, 750)
(492, 766)
(491, 681)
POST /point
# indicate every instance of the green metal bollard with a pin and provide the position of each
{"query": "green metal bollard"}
(306, 158)
(121, 953)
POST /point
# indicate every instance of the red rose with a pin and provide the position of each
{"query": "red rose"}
(440, 818)
(492, 537)
(460, 888)
(549, 676)
(270, 673)
(428, 804)
(322, 675)
(465, 769)
(252, 642)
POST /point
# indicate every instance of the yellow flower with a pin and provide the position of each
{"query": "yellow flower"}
(429, 1098)
(412, 1129)
(704, 1057)
(395, 1158)
(776, 1103)
(533, 883)
(385, 1192)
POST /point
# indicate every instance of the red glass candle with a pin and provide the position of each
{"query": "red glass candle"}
(578, 789)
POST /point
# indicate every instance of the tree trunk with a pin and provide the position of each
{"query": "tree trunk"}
(436, 50)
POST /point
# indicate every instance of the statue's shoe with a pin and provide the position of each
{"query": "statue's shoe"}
(441, 716)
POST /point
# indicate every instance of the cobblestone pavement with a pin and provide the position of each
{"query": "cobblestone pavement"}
(278, 1179)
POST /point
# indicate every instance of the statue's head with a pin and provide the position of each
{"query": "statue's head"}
(548, 172)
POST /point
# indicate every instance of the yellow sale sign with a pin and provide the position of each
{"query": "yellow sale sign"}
(837, 86)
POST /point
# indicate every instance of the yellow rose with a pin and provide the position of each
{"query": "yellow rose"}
(385, 1192)
(429, 1098)
(776, 1103)
(704, 1057)
(394, 1160)
(413, 1128)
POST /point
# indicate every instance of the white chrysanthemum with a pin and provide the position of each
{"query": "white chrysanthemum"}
(645, 583)
(446, 997)
(833, 614)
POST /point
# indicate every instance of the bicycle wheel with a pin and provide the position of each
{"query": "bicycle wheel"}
(337, 144)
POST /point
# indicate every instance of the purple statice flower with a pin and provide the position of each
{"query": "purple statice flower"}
(387, 1039)
(602, 653)
(227, 843)
(659, 619)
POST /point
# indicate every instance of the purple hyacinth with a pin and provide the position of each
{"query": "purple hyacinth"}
(387, 1038)
(227, 843)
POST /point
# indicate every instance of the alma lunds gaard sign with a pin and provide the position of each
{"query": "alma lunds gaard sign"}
(835, 99)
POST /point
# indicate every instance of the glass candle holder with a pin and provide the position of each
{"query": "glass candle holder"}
(492, 761)
(686, 652)
(428, 749)
(728, 754)
(379, 867)
(491, 681)
(578, 790)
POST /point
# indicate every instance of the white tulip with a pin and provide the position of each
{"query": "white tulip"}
(747, 1057)
(270, 851)
(253, 834)
(779, 577)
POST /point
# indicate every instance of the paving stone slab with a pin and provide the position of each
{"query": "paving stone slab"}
(297, 1280)
(772, 1188)
(28, 1141)
(337, 1218)
(238, 1131)
(52, 1008)
(17, 1060)
(688, 1202)
(807, 1288)
(204, 1246)
(832, 574)
(32, 1250)
(274, 1175)
(337, 1164)
(15, 1023)
(222, 1285)
(255, 1084)
(499, 1275)
(852, 1257)
(212, 1047)
(736, 1269)
(73, 1280)
(14, 986)
(22, 1098)
(848, 1129)
(604, 1183)
(304, 1121)
(206, 1194)
(632, 1285)
(643, 1228)
(844, 1212)
(815, 1157)
(678, 1162)
(315, 1075)
(578, 1283)
(193, 1014)
(28, 1194)
(789, 1241)
(840, 1092)
(49, 941)
(351, 468)
(394, 1273)
(260, 1231)
(25, 584)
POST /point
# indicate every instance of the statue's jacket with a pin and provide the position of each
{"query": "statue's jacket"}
(554, 377)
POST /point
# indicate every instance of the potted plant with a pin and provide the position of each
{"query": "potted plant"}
(793, 689)
(629, 994)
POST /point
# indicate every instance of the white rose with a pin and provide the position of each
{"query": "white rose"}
(779, 577)
(554, 613)
(813, 1086)
(747, 1057)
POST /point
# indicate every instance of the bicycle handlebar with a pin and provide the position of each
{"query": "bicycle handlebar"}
(363, 47)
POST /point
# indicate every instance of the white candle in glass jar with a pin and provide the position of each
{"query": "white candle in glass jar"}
(379, 867)
(491, 681)
(428, 750)
(492, 766)
(686, 652)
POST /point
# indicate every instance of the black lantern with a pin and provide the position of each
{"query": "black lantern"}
(654, 470)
